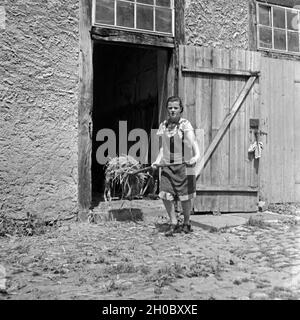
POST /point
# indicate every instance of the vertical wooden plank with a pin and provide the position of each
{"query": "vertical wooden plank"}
(220, 108)
(272, 115)
(255, 93)
(296, 114)
(248, 135)
(241, 131)
(199, 54)
(269, 150)
(241, 128)
(85, 108)
(264, 166)
(189, 93)
(279, 133)
(232, 131)
(201, 107)
(237, 59)
(215, 124)
(288, 131)
(179, 21)
(277, 114)
(190, 86)
(283, 130)
(198, 116)
(253, 115)
(181, 80)
(224, 157)
(206, 114)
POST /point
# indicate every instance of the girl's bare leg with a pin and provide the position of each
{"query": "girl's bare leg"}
(169, 205)
(186, 208)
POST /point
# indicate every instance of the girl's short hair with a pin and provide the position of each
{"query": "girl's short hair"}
(175, 98)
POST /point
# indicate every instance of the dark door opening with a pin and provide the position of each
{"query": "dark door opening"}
(127, 87)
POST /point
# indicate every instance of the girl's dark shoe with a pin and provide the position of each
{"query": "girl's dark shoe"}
(187, 228)
(178, 228)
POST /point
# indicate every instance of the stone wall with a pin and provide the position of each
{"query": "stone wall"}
(39, 103)
(217, 23)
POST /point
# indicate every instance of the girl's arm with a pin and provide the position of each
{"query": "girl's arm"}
(158, 158)
(190, 136)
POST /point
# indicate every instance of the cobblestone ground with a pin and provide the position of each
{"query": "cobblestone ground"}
(134, 260)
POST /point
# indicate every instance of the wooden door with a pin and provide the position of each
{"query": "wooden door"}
(280, 115)
(220, 92)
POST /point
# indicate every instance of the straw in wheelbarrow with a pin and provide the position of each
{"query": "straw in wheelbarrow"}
(118, 174)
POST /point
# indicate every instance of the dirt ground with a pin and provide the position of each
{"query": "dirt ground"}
(110, 259)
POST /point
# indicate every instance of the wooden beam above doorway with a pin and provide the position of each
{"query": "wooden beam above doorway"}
(130, 37)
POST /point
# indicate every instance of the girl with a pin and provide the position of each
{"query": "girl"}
(178, 155)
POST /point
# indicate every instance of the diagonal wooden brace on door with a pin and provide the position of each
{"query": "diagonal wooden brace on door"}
(235, 108)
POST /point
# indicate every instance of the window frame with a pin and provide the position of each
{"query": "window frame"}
(258, 25)
(152, 32)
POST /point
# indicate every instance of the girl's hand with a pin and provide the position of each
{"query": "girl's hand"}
(193, 160)
(155, 165)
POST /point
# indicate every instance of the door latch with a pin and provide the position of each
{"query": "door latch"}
(262, 133)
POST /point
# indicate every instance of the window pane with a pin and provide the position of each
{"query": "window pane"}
(292, 20)
(105, 11)
(279, 39)
(144, 17)
(264, 15)
(265, 37)
(125, 14)
(163, 3)
(293, 41)
(278, 17)
(163, 19)
(146, 1)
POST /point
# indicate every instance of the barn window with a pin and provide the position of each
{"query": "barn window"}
(278, 28)
(149, 16)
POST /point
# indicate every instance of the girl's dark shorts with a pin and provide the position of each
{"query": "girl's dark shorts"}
(178, 181)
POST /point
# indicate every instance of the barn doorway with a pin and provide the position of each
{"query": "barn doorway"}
(129, 85)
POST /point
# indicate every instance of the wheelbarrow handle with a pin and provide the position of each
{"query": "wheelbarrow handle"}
(141, 170)
(150, 167)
